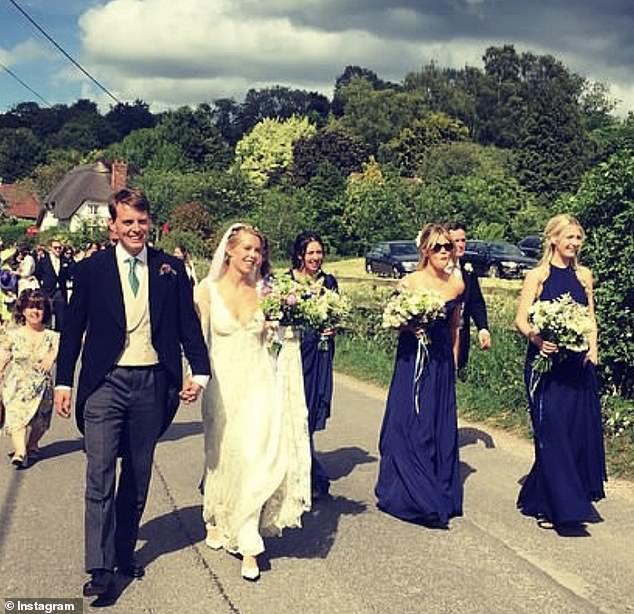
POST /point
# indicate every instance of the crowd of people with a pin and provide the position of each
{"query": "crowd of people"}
(135, 311)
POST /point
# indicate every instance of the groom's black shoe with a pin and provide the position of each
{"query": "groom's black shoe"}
(132, 570)
(99, 584)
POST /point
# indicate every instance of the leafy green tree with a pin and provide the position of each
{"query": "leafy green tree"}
(354, 72)
(20, 153)
(125, 118)
(376, 116)
(410, 148)
(604, 205)
(148, 149)
(332, 145)
(194, 132)
(266, 153)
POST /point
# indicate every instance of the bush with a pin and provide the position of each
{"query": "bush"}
(604, 205)
(13, 232)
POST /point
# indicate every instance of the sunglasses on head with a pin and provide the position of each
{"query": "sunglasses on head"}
(35, 305)
(448, 247)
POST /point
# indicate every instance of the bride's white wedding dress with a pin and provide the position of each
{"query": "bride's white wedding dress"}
(257, 450)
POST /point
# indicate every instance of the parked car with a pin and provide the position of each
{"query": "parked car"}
(531, 246)
(497, 259)
(392, 258)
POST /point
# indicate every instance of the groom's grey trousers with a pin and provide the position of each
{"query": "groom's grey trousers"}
(123, 417)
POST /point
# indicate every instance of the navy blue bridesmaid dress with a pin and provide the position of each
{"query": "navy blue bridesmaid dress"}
(419, 473)
(569, 468)
(318, 387)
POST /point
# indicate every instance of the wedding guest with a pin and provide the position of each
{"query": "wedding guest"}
(26, 270)
(569, 467)
(27, 355)
(257, 453)
(473, 305)
(419, 473)
(182, 253)
(307, 259)
(49, 271)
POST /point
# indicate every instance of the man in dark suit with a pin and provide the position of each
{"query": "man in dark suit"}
(50, 273)
(134, 304)
(473, 303)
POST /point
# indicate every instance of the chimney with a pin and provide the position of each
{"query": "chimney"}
(118, 175)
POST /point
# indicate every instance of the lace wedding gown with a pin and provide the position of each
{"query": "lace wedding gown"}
(257, 451)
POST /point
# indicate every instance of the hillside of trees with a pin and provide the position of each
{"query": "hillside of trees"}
(495, 147)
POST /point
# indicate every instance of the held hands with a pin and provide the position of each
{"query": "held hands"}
(62, 403)
(592, 356)
(484, 337)
(190, 391)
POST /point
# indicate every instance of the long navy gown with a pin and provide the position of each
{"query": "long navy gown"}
(419, 474)
(569, 468)
(318, 386)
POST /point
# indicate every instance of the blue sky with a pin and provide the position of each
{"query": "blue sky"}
(174, 52)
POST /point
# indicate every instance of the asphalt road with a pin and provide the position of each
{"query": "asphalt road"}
(349, 557)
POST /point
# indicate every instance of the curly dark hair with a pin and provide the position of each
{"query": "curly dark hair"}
(32, 298)
(301, 243)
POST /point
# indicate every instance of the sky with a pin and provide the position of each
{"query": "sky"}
(176, 52)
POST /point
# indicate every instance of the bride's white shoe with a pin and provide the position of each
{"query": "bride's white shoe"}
(251, 571)
(213, 539)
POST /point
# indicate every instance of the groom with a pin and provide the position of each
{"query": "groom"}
(134, 304)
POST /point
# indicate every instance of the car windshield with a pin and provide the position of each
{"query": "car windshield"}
(406, 248)
(505, 249)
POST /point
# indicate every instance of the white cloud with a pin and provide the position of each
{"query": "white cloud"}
(23, 52)
(172, 52)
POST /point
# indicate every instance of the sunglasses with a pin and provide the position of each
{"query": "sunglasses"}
(38, 306)
(448, 247)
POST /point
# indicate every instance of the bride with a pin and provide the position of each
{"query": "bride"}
(257, 452)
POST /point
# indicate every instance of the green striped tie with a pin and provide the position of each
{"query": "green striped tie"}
(133, 280)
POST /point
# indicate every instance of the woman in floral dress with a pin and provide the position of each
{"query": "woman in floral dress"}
(27, 356)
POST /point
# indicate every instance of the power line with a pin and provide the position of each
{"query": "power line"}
(28, 87)
(64, 52)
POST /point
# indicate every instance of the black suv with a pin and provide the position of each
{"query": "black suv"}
(531, 246)
(392, 258)
(497, 259)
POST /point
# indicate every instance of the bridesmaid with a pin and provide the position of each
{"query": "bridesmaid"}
(569, 468)
(308, 256)
(419, 473)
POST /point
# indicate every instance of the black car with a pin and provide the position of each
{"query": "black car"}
(497, 259)
(392, 258)
(531, 246)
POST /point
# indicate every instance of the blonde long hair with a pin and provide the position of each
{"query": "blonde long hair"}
(554, 227)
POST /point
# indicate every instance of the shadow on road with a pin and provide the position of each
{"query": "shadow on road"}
(61, 448)
(181, 430)
(341, 462)
(468, 436)
(317, 536)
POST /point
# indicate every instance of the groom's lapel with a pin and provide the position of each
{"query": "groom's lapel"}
(114, 292)
(157, 287)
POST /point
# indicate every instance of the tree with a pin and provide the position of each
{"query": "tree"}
(125, 118)
(20, 153)
(354, 72)
(410, 148)
(194, 218)
(333, 145)
(194, 132)
(376, 116)
(266, 152)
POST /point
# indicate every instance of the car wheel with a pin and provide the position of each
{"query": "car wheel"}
(493, 271)
(396, 274)
(368, 268)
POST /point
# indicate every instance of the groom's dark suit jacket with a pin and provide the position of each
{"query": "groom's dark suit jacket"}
(474, 308)
(96, 309)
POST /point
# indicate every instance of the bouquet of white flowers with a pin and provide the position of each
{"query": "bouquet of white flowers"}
(562, 321)
(416, 308)
(324, 310)
(419, 308)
